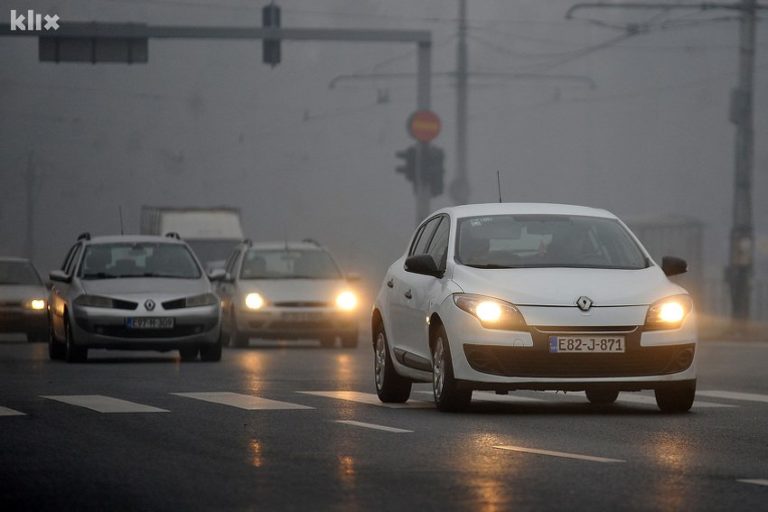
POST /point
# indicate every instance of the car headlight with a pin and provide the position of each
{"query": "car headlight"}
(206, 299)
(492, 313)
(668, 313)
(254, 301)
(35, 304)
(94, 301)
(346, 301)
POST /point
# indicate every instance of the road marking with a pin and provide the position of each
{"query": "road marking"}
(4, 411)
(248, 402)
(632, 397)
(374, 426)
(558, 454)
(369, 398)
(105, 404)
(756, 481)
(732, 395)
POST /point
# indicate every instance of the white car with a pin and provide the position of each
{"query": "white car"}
(521, 296)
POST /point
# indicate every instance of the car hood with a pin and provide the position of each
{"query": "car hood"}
(295, 290)
(146, 287)
(563, 286)
(21, 292)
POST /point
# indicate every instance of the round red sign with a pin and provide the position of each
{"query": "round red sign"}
(424, 125)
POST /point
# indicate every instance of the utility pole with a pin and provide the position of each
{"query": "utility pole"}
(424, 73)
(740, 269)
(29, 206)
(459, 188)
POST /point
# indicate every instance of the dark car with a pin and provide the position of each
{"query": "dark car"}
(23, 304)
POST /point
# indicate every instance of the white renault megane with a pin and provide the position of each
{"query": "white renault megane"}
(533, 296)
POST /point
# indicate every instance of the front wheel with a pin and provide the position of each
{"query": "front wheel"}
(602, 396)
(72, 352)
(56, 350)
(211, 353)
(676, 398)
(188, 353)
(448, 396)
(390, 386)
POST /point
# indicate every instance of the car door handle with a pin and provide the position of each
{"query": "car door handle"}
(391, 283)
(408, 294)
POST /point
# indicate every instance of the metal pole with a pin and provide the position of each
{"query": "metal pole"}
(422, 103)
(460, 187)
(742, 230)
(29, 186)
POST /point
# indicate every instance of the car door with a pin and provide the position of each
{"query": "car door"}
(400, 284)
(61, 291)
(425, 291)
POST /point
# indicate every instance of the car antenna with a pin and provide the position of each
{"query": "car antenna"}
(498, 184)
(120, 211)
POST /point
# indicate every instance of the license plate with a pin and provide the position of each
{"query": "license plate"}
(149, 323)
(587, 344)
(300, 317)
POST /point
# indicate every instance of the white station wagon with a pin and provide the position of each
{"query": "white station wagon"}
(521, 296)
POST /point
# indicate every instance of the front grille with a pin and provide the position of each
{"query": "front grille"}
(120, 331)
(124, 304)
(537, 361)
(302, 304)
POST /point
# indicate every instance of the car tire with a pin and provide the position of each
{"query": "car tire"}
(391, 387)
(676, 398)
(448, 396)
(349, 340)
(56, 350)
(211, 353)
(602, 396)
(72, 352)
(188, 354)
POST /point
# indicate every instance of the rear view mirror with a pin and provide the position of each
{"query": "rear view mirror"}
(673, 266)
(422, 264)
(59, 276)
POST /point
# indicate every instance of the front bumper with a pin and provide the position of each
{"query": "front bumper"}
(296, 323)
(108, 328)
(508, 360)
(20, 319)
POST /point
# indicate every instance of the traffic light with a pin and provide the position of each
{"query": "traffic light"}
(270, 17)
(434, 169)
(408, 168)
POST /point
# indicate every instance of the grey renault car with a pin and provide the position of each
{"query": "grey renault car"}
(133, 292)
(23, 300)
(288, 291)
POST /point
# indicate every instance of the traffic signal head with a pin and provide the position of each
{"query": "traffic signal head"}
(408, 167)
(434, 170)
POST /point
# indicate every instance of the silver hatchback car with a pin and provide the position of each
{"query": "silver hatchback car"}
(133, 292)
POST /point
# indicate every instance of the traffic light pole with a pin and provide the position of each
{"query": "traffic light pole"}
(423, 102)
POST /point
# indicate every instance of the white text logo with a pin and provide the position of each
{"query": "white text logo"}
(33, 21)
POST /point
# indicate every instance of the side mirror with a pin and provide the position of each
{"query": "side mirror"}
(59, 276)
(354, 277)
(217, 274)
(422, 264)
(673, 266)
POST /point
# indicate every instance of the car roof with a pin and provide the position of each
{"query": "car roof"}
(114, 239)
(306, 246)
(471, 210)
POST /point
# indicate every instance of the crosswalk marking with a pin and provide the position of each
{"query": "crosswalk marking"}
(374, 426)
(756, 481)
(104, 404)
(248, 402)
(565, 455)
(4, 411)
(732, 395)
(369, 398)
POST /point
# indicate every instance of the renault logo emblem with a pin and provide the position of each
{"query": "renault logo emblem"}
(584, 303)
(149, 304)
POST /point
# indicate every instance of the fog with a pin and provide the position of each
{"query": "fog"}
(206, 123)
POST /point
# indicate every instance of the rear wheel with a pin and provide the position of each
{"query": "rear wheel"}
(72, 352)
(448, 396)
(602, 396)
(390, 386)
(676, 398)
(188, 353)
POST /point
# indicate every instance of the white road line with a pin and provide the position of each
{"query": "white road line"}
(374, 426)
(369, 398)
(732, 395)
(632, 397)
(558, 454)
(248, 402)
(4, 411)
(756, 481)
(104, 404)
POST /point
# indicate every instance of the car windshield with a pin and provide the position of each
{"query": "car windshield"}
(18, 272)
(528, 241)
(288, 264)
(125, 260)
(212, 253)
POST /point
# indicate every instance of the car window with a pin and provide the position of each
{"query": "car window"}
(288, 264)
(73, 260)
(139, 259)
(438, 247)
(69, 255)
(420, 246)
(18, 272)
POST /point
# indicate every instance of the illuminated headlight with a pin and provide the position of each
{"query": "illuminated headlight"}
(668, 313)
(346, 301)
(206, 299)
(36, 304)
(94, 301)
(254, 301)
(492, 313)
